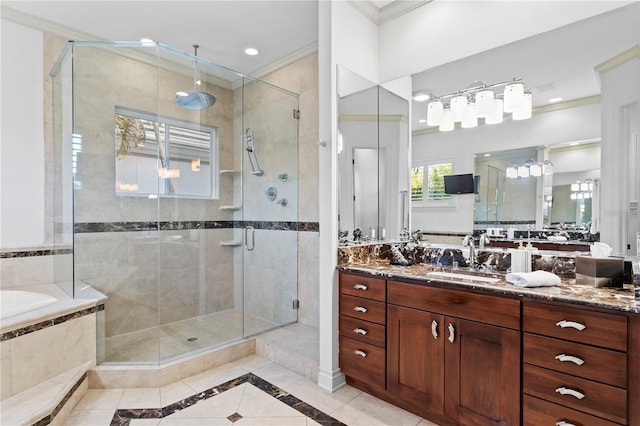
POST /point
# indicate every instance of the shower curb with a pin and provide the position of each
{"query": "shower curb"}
(146, 376)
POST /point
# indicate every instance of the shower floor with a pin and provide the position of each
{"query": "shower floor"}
(177, 339)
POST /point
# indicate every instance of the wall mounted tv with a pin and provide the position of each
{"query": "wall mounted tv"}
(461, 184)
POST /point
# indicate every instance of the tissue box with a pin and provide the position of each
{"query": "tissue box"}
(600, 272)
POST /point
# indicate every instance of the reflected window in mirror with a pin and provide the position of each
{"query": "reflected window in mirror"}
(427, 183)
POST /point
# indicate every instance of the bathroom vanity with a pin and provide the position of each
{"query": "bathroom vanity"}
(480, 351)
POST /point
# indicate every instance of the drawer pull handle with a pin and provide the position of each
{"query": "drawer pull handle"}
(361, 353)
(434, 329)
(571, 324)
(563, 423)
(360, 309)
(573, 359)
(360, 287)
(360, 331)
(452, 333)
(569, 391)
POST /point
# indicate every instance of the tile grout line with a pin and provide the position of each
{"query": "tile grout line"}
(123, 417)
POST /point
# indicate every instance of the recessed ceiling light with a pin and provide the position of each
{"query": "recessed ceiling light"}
(251, 51)
(147, 42)
(422, 120)
(487, 155)
(554, 100)
(422, 95)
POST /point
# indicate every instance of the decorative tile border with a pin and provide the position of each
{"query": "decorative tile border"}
(34, 253)
(49, 418)
(90, 227)
(49, 323)
(123, 417)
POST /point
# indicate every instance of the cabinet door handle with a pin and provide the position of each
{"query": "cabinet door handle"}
(360, 287)
(360, 331)
(569, 391)
(574, 359)
(363, 354)
(564, 423)
(360, 309)
(434, 329)
(571, 324)
(452, 333)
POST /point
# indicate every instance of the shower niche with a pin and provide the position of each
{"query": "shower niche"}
(167, 216)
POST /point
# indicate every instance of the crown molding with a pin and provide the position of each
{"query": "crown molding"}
(387, 13)
(44, 25)
(619, 59)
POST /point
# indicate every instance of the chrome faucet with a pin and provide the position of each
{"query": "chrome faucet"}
(484, 239)
(469, 242)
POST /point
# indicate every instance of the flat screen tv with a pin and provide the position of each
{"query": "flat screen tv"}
(460, 184)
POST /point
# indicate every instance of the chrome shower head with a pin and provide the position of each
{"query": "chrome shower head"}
(195, 99)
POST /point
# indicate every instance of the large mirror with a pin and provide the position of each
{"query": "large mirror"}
(373, 150)
(563, 70)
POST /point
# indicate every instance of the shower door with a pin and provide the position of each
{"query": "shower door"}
(269, 224)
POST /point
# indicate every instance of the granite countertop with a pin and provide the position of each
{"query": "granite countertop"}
(568, 291)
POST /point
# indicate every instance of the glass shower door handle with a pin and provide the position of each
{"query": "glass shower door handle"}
(249, 238)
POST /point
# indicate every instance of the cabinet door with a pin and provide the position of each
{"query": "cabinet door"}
(482, 373)
(415, 357)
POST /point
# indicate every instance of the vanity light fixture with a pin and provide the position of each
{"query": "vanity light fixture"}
(480, 100)
(535, 169)
(512, 172)
(530, 168)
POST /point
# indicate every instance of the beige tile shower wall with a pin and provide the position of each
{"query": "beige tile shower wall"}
(302, 77)
(193, 275)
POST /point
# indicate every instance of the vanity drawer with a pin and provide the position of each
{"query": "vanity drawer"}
(578, 325)
(597, 399)
(536, 412)
(364, 331)
(367, 287)
(362, 361)
(589, 362)
(364, 309)
(497, 311)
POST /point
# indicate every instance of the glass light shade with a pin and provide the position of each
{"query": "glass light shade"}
(587, 195)
(523, 112)
(484, 102)
(513, 96)
(523, 171)
(584, 186)
(458, 107)
(447, 124)
(580, 195)
(435, 111)
(573, 196)
(512, 172)
(575, 187)
(547, 168)
(495, 116)
(470, 118)
(535, 170)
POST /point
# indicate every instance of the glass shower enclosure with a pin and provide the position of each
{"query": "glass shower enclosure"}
(184, 219)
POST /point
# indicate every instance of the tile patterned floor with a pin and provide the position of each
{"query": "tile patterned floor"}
(251, 391)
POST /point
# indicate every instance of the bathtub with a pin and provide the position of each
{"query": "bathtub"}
(15, 302)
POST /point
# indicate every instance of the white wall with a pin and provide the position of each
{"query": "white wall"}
(22, 138)
(430, 35)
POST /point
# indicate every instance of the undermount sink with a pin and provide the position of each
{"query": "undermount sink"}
(453, 275)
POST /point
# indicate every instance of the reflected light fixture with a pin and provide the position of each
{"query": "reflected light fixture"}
(535, 169)
(530, 168)
(480, 100)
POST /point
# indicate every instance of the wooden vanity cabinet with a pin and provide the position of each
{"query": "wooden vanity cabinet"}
(362, 331)
(575, 366)
(451, 356)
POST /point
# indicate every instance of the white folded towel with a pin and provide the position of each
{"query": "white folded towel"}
(533, 279)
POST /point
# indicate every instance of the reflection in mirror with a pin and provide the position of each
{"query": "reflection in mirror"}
(552, 188)
(372, 159)
(598, 87)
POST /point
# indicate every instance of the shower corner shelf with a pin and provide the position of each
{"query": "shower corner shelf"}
(234, 207)
(230, 172)
(231, 243)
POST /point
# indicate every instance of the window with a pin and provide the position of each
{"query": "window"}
(427, 183)
(157, 155)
